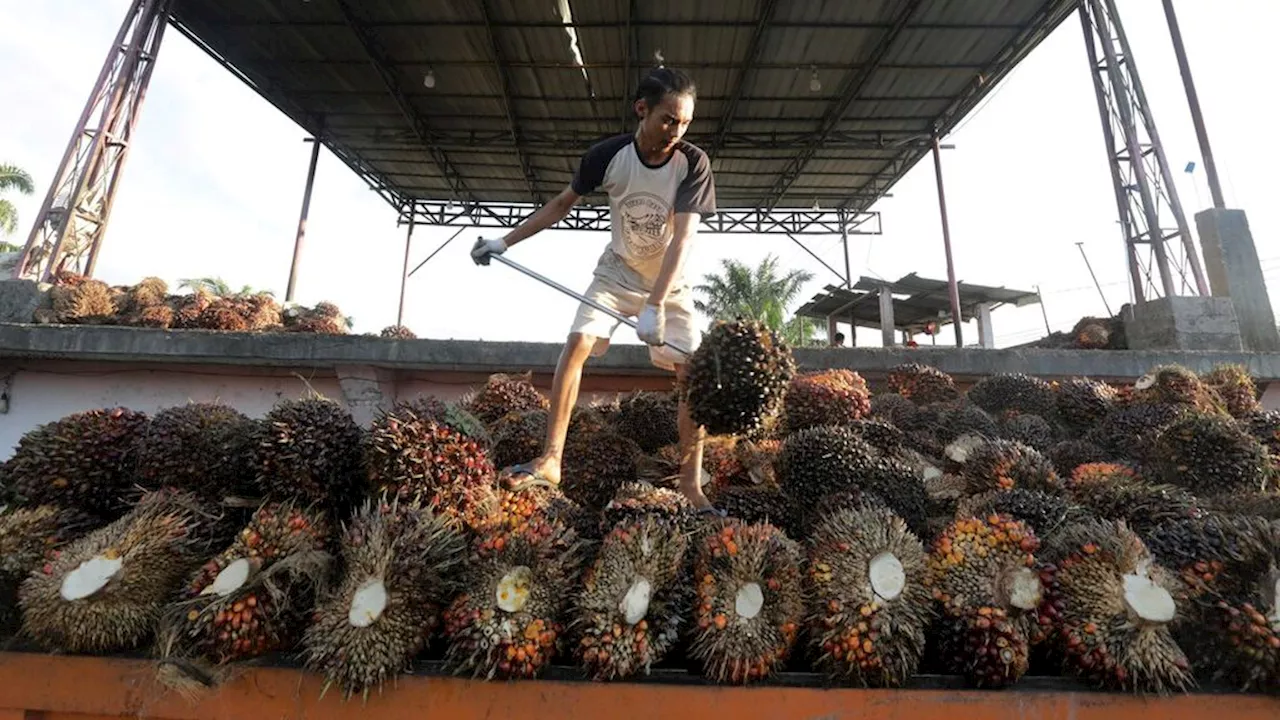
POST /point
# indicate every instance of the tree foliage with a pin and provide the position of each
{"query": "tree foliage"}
(761, 293)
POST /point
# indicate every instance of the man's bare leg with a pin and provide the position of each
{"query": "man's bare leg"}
(564, 395)
(691, 437)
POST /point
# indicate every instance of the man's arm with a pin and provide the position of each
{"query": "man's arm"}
(549, 214)
(673, 260)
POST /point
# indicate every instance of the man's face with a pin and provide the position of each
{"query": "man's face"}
(662, 126)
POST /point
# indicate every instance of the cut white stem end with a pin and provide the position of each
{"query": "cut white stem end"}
(1275, 606)
(367, 603)
(1148, 600)
(513, 589)
(887, 576)
(1025, 589)
(90, 576)
(749, 602)
(231, 579)
(930, 472)
(960, 448)
(1144, 382)
(635, 604)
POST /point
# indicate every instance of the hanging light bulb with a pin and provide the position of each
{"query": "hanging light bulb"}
(815, 84)
(429, 80)
(816, 206)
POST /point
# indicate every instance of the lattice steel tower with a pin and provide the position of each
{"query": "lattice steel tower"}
(73, 218)
(1150, 213)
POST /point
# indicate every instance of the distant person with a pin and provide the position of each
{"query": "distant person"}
(837, 340)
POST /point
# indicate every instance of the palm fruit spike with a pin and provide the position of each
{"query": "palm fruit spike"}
(1117, 608)
(1005, 464)
(629, 614)
(595, 465)
(648, 418)
(1030, 430)
(541, 511)
(1114, 492)
(253, 597)
(996, 597)
(868, 605)
(29, 537)
(1266, 427)
(417, 457)
(755, 505)
(825, 397)
(106, 591)
(1176, 385)
(1045, 514)
(1260, 505)
(1068, 455)
(503, 394)
(310, 449)
(1082, 402)
(965, 420)
(85, 460)
(736, 379)
(1236, 388)
(202, 447)
(892, 407)
(1014, 392)
(749, 601)
(1212, 455)
(638, 500)
(1130, 432)
(822, 461)
(922, 384)
(399, 565)
(507, 622)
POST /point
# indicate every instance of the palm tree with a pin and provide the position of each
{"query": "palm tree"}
(759, 294)
(221, 288)
(12, 177)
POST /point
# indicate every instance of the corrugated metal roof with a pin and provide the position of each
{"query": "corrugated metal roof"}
(512, 108)
(917, 301)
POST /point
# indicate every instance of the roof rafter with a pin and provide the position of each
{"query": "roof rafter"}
(499, 64)
(767, 10)
(837, 110)
(380, 63)
(629, 44)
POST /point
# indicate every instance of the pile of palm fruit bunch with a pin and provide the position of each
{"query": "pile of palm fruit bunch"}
(1124, 539)
(74, 299)
(1089, 333)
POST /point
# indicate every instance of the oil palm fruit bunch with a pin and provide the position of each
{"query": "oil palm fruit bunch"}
(891, 407)
(508, 620)
(1045, 514)
(153, 316)
(749, 601)
(996, 597)
(149, 292)
(634, 600)
(1014, 392)
(252, 598)
(397, 332)
(224, 314)
(1083, 402)
(648, 418)
(1068, 455)
(595, 465)
(518, 436)
(415, 456)
(80, 300)
(1235, 386)
(868, 605)
(86, 460)
(755, 504)
(399, 570)
(1092, 333)
(452, 415)
(1260, 505)
(825, 397)
(1129, 432)
(1115, 492)
(540, 511)
(1176, 385)
(1006, 464)
(1213, 455)
(1030, 430)
(736, 379)
(309, 449)
(28, 538)
(106, 591)
(1118, 607)
(202, 447)
(922, 384)
(1265, 426)
(639, 500)
(502, 394)
(965, 419)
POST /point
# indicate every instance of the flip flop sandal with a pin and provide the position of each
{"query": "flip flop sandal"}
(717, 512)
(535, 478)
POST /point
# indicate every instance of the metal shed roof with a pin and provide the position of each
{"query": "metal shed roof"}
(926, 301)
(511, 106)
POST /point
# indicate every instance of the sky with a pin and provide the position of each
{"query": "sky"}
(214, 183)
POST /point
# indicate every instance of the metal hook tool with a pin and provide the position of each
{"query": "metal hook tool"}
(552, 283)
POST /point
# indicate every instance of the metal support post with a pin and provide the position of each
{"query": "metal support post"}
(1096, 284)
(844, 241)
(404, 271)
(302, 220)
(886, 316)
(986, 332)
(952, 288)
(1043, 312)
(1193, 99)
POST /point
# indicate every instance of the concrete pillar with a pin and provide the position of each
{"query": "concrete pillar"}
(833, 327)
(986, 337)
(886, 316)
(1232, 267)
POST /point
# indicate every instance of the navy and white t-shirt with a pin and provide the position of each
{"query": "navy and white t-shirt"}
(643, 199)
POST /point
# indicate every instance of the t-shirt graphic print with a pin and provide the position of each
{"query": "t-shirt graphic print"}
(643, 199)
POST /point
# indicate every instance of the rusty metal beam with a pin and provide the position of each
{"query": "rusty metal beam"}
(852, 90)
(756, 46)
(504, 80)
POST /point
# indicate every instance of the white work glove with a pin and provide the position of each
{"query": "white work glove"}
(481, 251)
(651, 325)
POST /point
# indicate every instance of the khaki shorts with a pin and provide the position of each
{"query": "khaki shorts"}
(609, 292)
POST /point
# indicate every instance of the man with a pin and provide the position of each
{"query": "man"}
(659, 186)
